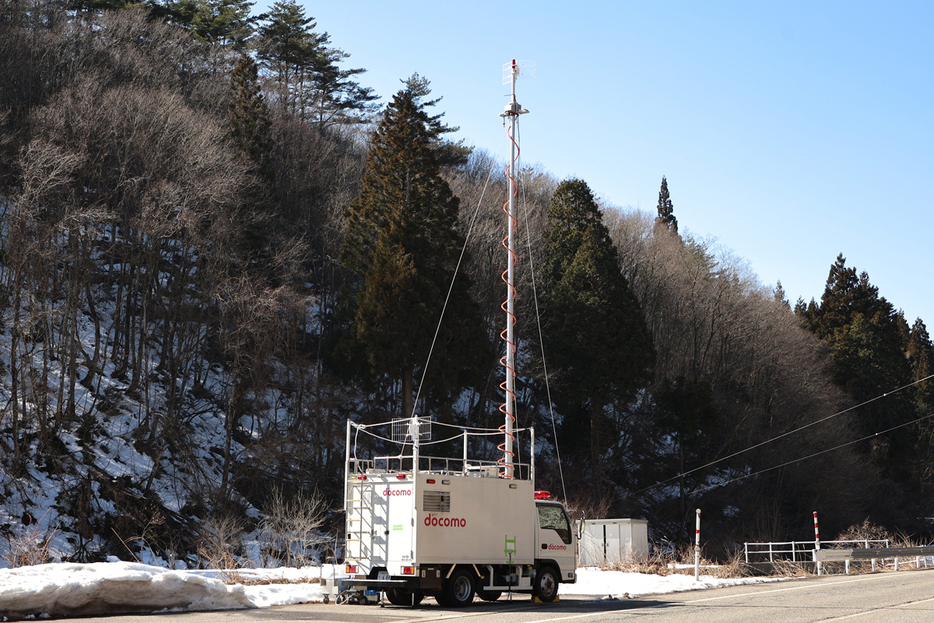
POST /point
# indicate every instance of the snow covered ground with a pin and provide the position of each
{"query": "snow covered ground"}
(81, 589)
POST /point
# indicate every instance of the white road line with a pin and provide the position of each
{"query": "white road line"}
(778, 590)
(859, 614)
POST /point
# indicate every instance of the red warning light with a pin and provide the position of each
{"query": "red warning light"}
(542, 495)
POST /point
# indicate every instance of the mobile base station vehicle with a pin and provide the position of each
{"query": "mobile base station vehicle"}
(425, 526)
(421, 524)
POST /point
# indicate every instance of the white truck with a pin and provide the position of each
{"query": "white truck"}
(450, 528)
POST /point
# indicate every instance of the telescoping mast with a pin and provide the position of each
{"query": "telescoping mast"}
(511, 73)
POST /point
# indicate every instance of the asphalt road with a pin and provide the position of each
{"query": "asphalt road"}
(903, 597)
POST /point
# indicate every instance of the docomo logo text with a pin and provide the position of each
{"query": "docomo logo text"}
(557, 546)
(445, 522)
(396, 492)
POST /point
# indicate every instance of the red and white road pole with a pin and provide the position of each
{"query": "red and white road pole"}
(697, 548)
(816, 543)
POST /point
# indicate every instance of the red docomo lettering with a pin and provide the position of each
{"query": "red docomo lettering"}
(557, 546)
(396, 492)
(445, 522)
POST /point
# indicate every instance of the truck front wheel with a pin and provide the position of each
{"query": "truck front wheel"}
(458, 589)
(546, 584)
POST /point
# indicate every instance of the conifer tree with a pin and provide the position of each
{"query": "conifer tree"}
(447, 152)
(403, 244)
(311, 85)
(780, 297)
(666, 217)
(223, 22)
(867, 339)
(288, 47)
(920, 354)
(338, 97)
(596, 338)
(249, 118)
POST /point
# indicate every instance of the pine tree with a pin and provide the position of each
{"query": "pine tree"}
(338, 97)
(595, 335)
(403, 244)
(249, 118)
(666, 217)
(920, 354)
(780, 296)
(447, 152)
(867, 339)
(288, 48)
(224, 22)
(311, 85)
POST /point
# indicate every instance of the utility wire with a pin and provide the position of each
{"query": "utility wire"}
(460, 260)
(791, 432)
(811, 456)
(541, 342)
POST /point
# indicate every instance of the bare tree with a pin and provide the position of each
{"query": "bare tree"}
(713, 322)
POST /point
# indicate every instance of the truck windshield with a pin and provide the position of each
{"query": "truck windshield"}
(553, 518)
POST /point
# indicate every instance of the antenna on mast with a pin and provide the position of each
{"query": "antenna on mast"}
(511, 74)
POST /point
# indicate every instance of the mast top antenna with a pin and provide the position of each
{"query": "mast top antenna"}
(512, 72)
(516, 70)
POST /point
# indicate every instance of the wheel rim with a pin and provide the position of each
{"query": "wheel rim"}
(462, 588)
(548, 584)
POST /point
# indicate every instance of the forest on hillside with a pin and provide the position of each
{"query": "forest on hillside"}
(217, 246)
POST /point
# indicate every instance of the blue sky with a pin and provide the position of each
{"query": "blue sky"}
(788, 131)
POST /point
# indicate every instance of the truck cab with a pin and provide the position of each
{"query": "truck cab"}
(557, 541)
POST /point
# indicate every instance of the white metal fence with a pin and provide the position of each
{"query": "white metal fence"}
(800, 551)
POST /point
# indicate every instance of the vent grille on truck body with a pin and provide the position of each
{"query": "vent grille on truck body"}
(436, 502)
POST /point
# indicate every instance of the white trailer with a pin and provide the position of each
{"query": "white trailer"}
(449, 528)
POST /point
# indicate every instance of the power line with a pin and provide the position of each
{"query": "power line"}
(797, 430)
(811, 456)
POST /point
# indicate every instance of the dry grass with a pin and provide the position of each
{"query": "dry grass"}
(29, 546)
(268, 581)
(681, 562)
(291, 530)
(220, 546)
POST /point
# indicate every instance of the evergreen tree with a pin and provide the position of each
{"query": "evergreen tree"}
(223, 22)
(448, 152)
(781, 297)
(595, 335)
(288, 48)
(666, 217)
(867, 339)
(249, 118)
(338, 97)
(403, 244)
(311, 86)
(920, 354)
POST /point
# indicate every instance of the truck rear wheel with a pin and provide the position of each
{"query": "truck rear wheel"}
(458, 590)
(546, 584)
